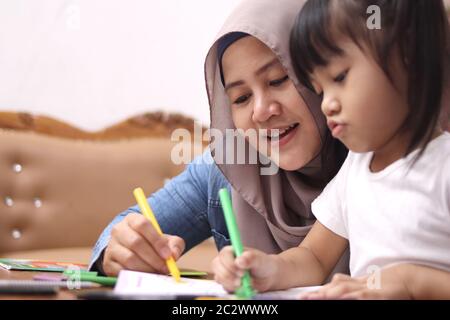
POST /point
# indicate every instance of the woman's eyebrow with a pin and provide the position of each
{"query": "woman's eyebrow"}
(234, 84)
(264, 68)
(267, 66)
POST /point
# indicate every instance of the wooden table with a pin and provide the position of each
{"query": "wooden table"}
(198, 258)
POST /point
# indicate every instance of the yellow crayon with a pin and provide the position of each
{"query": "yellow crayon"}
(148, 213)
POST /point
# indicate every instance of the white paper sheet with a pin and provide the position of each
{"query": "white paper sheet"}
(139, 283)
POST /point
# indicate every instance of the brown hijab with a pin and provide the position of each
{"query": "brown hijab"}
(273, 211)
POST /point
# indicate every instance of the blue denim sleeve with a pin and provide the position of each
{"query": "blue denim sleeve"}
(181, 208)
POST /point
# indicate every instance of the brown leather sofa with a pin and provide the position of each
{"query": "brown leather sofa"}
(60, 186)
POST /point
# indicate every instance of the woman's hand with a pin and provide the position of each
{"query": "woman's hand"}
(389, 283)
(229, 270)
(136, 245)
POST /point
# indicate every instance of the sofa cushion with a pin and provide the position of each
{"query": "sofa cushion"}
(60, 186)
(60, 192)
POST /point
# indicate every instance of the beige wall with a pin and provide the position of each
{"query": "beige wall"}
(95, 62)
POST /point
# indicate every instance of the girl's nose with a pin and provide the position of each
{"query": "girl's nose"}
(330, 107)
(265, 108)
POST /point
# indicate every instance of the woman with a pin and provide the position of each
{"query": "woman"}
(251, 86)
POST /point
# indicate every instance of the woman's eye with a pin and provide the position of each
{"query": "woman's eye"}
(278, 82)
(242, 99)
(341, 76)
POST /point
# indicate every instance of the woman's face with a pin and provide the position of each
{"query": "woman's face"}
(263, 97)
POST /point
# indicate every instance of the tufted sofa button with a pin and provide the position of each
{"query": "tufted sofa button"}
(17, 168)
(37, 202)
(16, 234)
(9, 201)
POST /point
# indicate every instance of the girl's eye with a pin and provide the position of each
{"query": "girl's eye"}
(278, 82)
(341, 77)
(242, 99)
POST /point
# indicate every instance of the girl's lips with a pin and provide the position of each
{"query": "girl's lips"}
(335, 128)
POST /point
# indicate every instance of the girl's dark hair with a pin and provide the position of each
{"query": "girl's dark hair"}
(418, 29)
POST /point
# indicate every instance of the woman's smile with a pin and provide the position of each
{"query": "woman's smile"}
(281, 135)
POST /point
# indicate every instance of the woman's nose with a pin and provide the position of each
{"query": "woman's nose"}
(330, 106)
(264, 108)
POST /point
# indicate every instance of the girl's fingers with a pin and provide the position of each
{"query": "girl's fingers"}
(361, 295)
(246, 260)
(311, 296)
(338, 277)
(341, 289)
(337, 280)
(226, 278)
(258, 263)
(228, 261)
(230, 270)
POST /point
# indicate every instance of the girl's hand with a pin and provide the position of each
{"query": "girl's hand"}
(136, 245)
(229, 270)
(391, 282)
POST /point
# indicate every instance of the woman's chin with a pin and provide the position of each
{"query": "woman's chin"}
(287, 161)
(291, 163)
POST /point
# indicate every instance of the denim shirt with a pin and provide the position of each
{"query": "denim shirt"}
(187, 206)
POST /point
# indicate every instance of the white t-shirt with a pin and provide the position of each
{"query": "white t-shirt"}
(392, 216)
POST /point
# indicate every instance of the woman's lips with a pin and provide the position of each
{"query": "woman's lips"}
(285, 137)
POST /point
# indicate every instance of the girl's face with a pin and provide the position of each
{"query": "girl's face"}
(364, 109)
(263, 97)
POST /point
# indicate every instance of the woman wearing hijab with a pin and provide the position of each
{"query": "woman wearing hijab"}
(251, 86)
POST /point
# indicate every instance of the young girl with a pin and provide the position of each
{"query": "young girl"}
(390, 202)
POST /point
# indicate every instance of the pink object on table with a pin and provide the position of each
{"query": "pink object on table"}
(49, 277)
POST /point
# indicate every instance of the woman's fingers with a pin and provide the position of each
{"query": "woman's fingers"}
(125, 234)
(176, 245)
(136, 245)
(139, 246)
(141, 225)
(111, 268)
(130, 260)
